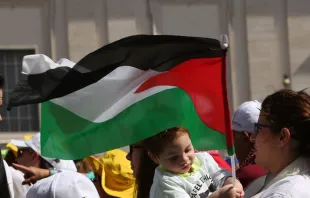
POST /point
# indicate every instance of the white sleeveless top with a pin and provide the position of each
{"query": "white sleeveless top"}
(292, 182)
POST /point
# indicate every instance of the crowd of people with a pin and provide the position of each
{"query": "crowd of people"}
(272, 147)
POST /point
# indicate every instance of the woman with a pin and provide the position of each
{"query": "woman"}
(143, 169)
(282, 145)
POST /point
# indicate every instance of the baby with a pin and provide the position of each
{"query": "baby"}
(182, 173)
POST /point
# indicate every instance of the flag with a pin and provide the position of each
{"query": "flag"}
(127, 91)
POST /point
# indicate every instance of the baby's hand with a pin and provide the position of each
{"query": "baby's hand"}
(239, 186)
(229, 191)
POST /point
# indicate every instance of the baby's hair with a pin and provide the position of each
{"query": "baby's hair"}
(157, 143)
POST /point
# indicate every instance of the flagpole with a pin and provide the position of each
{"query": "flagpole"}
(225, 44)
(233, 166)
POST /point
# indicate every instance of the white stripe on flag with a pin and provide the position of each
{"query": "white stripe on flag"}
(112, 94)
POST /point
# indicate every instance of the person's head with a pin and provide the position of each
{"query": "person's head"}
(1, 92)
(66, 184)
(143, 169)
(25, 155)
(172, 149)
(29, 154)
(28, 157)
(243, 122)
(114, 177)
(283, 129)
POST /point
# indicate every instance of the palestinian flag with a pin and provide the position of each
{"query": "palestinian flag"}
(127, 91)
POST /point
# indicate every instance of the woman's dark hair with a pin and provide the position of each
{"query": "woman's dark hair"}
(144, 179)
(4, 186)
(289, 109)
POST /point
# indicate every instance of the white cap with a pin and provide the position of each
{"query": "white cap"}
(246, 116)
(35, 144)
(65, 184)
(19, 143)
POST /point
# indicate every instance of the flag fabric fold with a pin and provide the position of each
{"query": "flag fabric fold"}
(127, 91)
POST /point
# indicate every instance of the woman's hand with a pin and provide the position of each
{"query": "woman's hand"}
(32, 174)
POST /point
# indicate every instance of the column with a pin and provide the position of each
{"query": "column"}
(101, 18)
(60, 48)
(281, 29)
(239, 52)
(143, 17)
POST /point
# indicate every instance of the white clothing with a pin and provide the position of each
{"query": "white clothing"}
(9, 178)
(19, 189)
(64, 184)
(292, 182)
(189, 185)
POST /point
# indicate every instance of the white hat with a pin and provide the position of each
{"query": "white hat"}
(246, 116)
(34, 144)
(19, 143)
(65, 184)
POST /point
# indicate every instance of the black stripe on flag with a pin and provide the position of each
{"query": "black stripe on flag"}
(159, 53)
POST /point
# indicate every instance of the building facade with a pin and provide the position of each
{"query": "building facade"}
(268, 39)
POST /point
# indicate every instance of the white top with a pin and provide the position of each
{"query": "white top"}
(292, 182)
(189, 185)
(19, 189)
(9, 178)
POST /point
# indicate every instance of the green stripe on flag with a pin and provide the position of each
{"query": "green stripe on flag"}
(231, 151)
(67, 136)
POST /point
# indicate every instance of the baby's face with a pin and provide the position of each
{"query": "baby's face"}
(179, 155)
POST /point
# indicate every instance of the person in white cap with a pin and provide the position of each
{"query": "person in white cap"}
(243, 123)
(64, 184)
(29, 154)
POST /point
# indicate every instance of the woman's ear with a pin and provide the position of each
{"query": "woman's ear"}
(153, 157)
(35, 157)
(285, 136)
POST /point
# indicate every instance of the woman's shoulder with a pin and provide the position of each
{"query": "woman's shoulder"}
(291, 186)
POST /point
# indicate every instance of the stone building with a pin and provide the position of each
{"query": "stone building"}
(269, 40)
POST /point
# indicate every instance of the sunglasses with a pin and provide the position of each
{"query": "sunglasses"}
(22, 151)
(258, 127)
